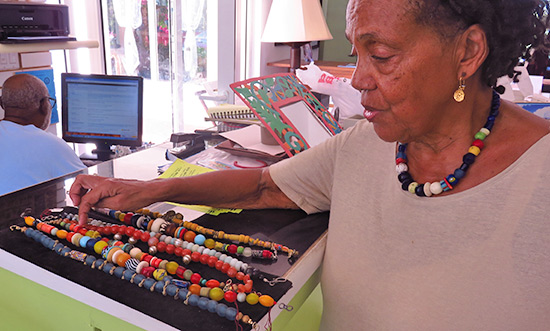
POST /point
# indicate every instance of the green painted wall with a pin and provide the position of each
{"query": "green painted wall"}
(338, 48)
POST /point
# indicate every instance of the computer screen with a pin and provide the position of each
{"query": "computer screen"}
(102, 109)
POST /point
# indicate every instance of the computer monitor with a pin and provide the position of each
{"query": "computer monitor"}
(102, 109)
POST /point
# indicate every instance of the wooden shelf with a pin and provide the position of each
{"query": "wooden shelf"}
(47, 46)
(337, 69)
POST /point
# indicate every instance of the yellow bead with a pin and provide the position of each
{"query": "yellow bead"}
(252, 298)
(210, 243)
(171, 267)
(412, 187)
(474, 150)
(98, 247)
(159, 274)
(266, 301)
(29, 220)
(216, 294)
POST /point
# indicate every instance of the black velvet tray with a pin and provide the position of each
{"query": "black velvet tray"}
(294, 229)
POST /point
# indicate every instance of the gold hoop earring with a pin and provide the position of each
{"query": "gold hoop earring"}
(459, 93)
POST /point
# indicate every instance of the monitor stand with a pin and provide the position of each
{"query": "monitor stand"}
(101, 153)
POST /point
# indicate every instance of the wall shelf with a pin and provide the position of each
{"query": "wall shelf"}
(47, 46)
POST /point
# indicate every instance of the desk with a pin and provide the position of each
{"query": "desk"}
(116, 299)
(337, 69)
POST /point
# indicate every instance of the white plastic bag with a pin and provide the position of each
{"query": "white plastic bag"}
(344, 96)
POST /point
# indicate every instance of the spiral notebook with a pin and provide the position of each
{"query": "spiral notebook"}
(237, 114)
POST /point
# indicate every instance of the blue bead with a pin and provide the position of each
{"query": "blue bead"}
(203, 303)
(212, 305)
(108, 266)
(149, 282)
(159, 286)
(468, 158)
(90, 259)
(182, 294)
(451, 179)
(82, 242)
(119, 271)
(167, 278)
(231, 313)
(221, 309)
(401, 155)
(193, 300)
(199, 239)
(65, 251)
(171, 290)
(401, 147)
(128, 274)
(139, 278)
(112, 213)
(90, 244)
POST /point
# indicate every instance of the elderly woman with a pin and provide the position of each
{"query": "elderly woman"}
(458, 238)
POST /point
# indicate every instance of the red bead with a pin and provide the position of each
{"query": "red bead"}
(145, 236)
(179, 271)
(248, 286)
(246, 278)
(178, 251)
(225, 267)
(69, 236)
(114, 228)
(128, 218)
(155, 262)
(240, 275)
(219, 264)
(266, 254)
(108, 230)
(195, 256)
(195, 278)
(212, 283)
(82, 231)
(122, 229)
(232, 272)
(400, 160)
(146, 257)
(232, 249)
(204, 258)
(130, 231)
(170, 249)
(161, 246)
(147, 271)
(478, 143)
(186, 252)
(212, 261)
(75, 228)
(230, 296)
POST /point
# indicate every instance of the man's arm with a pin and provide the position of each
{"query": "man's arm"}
(247, 189)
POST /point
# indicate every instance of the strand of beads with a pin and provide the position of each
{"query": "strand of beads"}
(241, 238)
(163, 287)
(133, 258)
(447, 183)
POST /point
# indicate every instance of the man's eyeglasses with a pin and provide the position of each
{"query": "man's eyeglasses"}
(52, 101)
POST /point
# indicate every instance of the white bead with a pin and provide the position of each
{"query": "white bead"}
(241, 296)
(238, 265)
(485, 130)
(233, 262)
(436, 188)
(200, 249)
(162, 237)
(190, 246)
(206, 251)
(244, 267)
(222, 257)
(427, 191)
(168, 240)
(247, 252)
(228, 259)
(178, 242)
(218, 254)
(212, 252)
(401, 167)
(194, 248)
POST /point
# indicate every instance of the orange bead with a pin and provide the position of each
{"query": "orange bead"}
(61, 234)
(122, 258)
(29, 220)
(189, 236)
(195, 289)
(266, 301)
(232, 272)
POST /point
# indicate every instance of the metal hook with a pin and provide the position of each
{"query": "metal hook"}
(275, 281)
(285, 307)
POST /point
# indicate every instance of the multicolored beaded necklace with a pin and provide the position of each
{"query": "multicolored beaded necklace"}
(447, 184)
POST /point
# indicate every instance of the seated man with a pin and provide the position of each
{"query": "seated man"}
(28, 154)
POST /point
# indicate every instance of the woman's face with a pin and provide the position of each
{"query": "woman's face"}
(405, 73)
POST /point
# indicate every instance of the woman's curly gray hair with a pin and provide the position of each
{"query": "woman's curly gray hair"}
(513, 28)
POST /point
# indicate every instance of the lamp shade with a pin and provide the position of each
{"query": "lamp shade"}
(295, 21)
